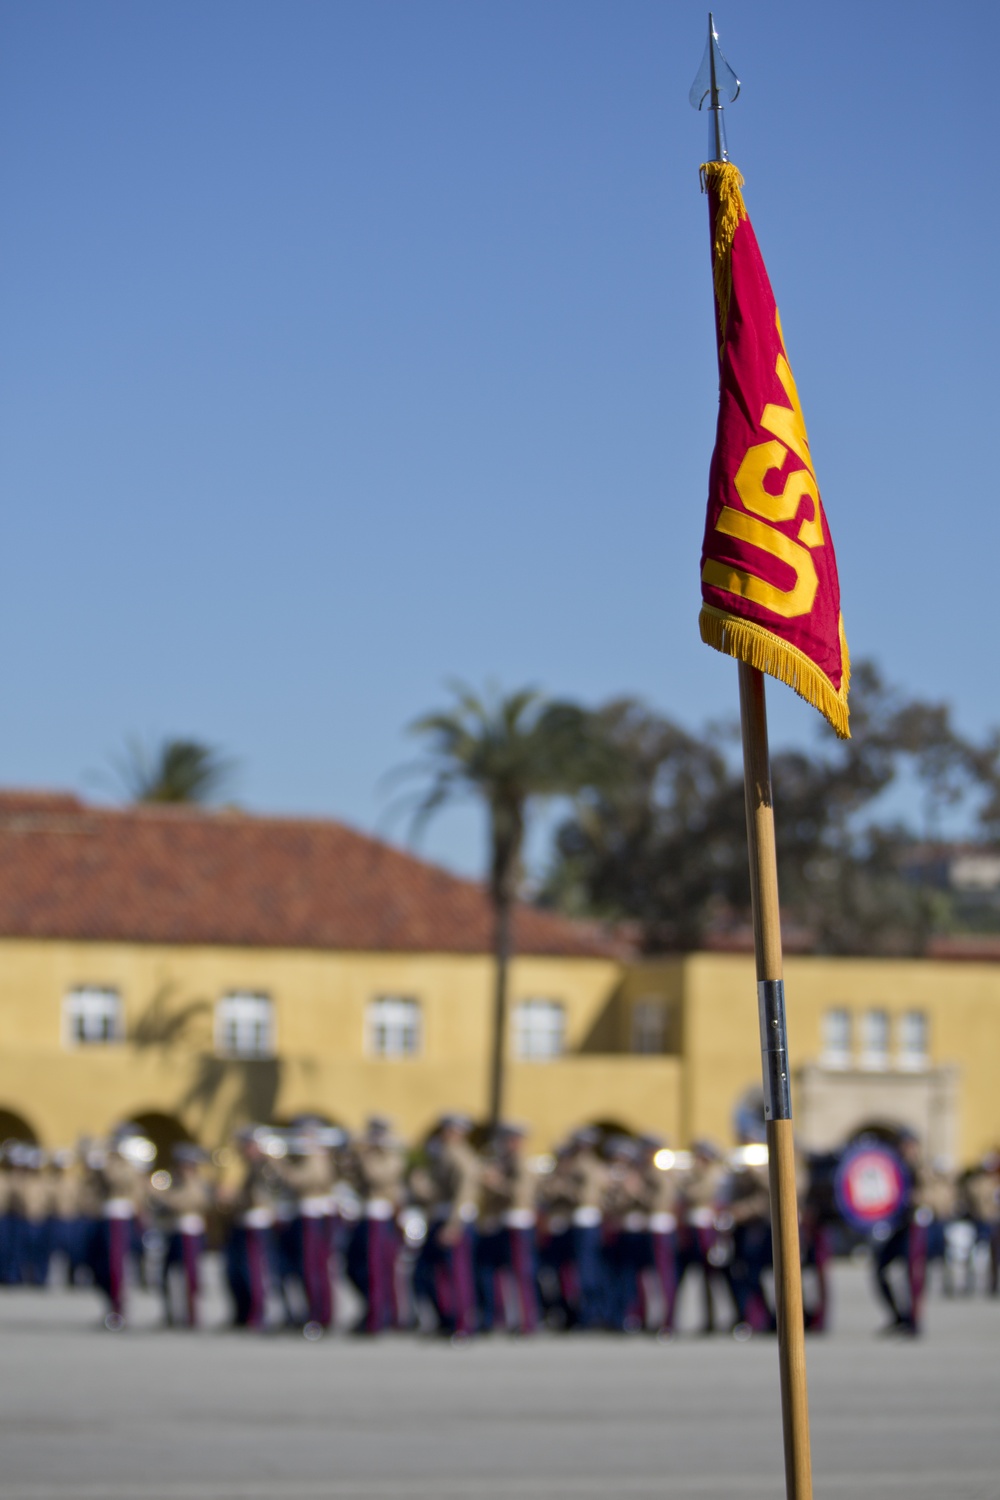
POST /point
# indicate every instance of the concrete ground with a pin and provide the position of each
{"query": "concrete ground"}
(152, 1415)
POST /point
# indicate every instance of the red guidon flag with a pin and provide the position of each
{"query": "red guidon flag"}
(769, 583)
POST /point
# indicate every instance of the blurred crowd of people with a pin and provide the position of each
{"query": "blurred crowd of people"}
(464, 1235)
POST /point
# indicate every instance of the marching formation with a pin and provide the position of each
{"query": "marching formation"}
(460, 1241)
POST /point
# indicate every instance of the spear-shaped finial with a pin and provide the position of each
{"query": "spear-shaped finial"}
(715, 81)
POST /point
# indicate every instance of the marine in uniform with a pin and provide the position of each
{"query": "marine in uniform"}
(660, 1202)
(583, 1178)
(936, 1212)
(308, 1175)
(747, 1216)
(374, 1166)
(556, 1277)
(447, 1185)
(905, 1244)
(8, 1252)
(113, 1184)
(248, 1248)
(181, 1210)
(626, 1235)
(982, 1203)
(31, 1199)
(818, 1210)
(700, 1193)
(69, 1230)
(506, 1256)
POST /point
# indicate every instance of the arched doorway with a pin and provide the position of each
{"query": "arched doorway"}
(889, 1132)
(165, 1132)
(306, 1117)
(14, 1127)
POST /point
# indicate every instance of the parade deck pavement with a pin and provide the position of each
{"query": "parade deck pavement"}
(147, 1414)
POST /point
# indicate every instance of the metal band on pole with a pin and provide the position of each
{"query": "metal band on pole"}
(774, 1049)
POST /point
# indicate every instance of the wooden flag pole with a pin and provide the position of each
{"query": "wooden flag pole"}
(777, 1088)
(714, 81)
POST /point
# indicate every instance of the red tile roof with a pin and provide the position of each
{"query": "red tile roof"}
(974, 948)
(159, 874)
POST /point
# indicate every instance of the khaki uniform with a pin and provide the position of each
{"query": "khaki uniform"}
(306, 1246)
(31, 1197)
(65, 1194)
(625, 1244)
(250, 1240)
(749, 1195)
(982, 1198)
(699, 1193)
(660, 1199)
(182, 1208)
(624, 1197)
(748, 1209)
(310, 1180)
(448, 1186)
(89, 1196)
(116, 1189)
(29, 1208)
(376, 1170)
(8, 1233)
(253, 1202)
(506, 1251)
(660, 1193)
(936, 1192)
(581, 1186)
(507, 1190)
(584, 1179)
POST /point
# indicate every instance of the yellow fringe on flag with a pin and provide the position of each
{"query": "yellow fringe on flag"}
(725, 180)
(767, 652)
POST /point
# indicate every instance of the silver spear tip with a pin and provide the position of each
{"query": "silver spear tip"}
(715, 82)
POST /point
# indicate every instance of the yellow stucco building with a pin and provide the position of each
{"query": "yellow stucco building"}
(912, 1042)
(206, 969)
(196, 970)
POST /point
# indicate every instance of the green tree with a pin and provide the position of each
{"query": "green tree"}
(666, 848)
(174, 771)
(509, 752)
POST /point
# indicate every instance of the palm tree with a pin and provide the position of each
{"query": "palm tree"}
(175, 771)
(510, 752)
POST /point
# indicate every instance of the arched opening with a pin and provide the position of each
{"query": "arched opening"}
(889, 1132)
(607, 1130)
(14, 1127)
(165, 1132)
(479, 1135)
(305, 1116)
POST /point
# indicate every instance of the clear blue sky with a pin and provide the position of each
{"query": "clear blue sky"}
(350, 347)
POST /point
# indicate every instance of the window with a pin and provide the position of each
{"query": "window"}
(649, 1025)
(244, 1026)
(913, 1039)
(837, 1038)
(875, 1039)
(92, 1016)
(539, 1029)
(393, 1025)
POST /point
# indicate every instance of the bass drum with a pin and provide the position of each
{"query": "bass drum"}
(871, 1185)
